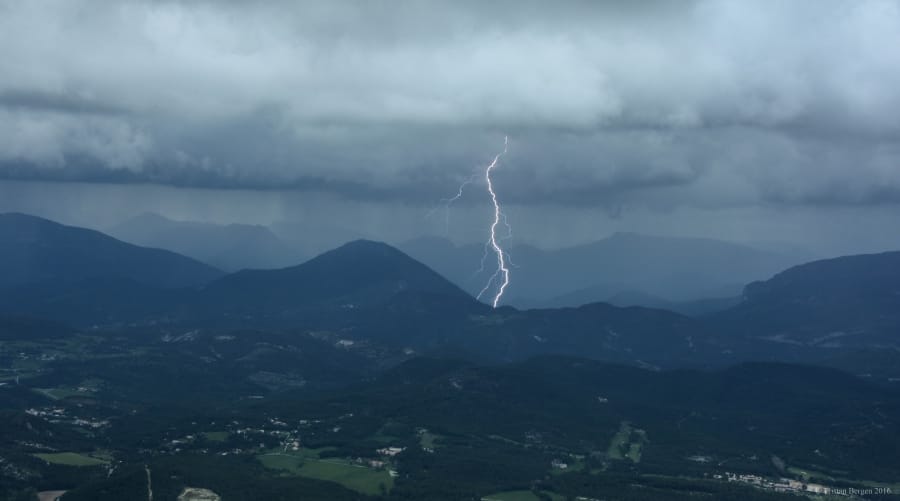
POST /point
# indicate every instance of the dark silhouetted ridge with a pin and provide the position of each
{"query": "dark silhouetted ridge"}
(34, 250)
(359, 273)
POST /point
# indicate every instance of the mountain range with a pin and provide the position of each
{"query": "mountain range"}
(689, 275)
(627, 268)
(35, 251)
(367, 293)
(229, 247)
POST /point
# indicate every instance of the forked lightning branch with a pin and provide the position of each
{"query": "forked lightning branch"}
(500, 279)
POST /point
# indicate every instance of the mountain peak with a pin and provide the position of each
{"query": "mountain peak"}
(362, 270)
(368, 260)
(368, 245)
(365, 249)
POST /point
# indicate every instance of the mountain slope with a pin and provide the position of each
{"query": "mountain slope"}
(846, 301)
(15, 327)
(363, 284)
(229, 247)
(35, 251)
(360, 270)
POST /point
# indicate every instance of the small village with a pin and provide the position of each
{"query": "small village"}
(790, 485)
(276, 437)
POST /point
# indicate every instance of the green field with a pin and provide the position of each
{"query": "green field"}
(70, 459)
(86, 388)
(354, 477)
(307, 453)
(627, 443)
(358, 478)
(59, 393)
(520, 496)
(216, 436)
(286, 462)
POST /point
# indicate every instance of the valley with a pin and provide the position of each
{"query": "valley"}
(362, 374)
(555, 426)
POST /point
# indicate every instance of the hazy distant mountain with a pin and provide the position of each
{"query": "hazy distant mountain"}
(37, 251)
(624, 298)
(846, 301)
(666, 268)
(317, 235)
(230, 247)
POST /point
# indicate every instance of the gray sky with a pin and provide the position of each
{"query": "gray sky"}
(762, 120)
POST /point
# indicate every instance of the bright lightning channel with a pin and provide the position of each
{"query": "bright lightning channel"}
(502, 272)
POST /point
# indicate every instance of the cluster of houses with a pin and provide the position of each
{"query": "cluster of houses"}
(58, 415)
(390, 451)
(780, 485)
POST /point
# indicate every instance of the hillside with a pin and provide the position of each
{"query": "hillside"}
(359, 273)
(38, 251)
(851, 301)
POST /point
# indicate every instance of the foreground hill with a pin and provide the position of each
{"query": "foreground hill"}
(851, 301)
(230, 247)
(38, 251)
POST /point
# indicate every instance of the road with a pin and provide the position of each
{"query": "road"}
(149, 484)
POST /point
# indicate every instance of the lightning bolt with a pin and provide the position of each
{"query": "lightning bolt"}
(502, 272)
(447, 202)
(488, 248)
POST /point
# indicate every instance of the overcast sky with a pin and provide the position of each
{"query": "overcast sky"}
(764, 120)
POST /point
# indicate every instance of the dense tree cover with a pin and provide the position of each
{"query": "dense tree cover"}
(493, 428)
(240, 479)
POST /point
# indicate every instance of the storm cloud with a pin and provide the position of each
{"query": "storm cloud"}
(712, 103)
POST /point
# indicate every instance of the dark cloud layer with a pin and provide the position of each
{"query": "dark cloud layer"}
(706, 103)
